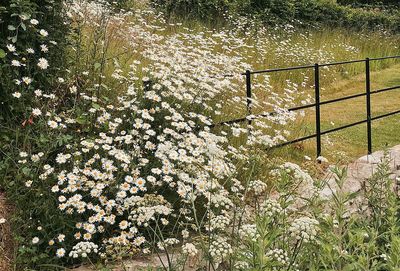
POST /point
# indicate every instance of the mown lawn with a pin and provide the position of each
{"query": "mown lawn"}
(348, 144)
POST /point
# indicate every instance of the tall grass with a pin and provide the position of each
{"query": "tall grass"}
(253, 46)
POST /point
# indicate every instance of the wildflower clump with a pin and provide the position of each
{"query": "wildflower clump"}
(124, 155)
(126, 178)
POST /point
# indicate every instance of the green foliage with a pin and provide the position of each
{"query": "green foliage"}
(370, 2)
(193, 8)
(326, 12)
(37, 207)
(348, 238)
(16, 29)
(37, 25)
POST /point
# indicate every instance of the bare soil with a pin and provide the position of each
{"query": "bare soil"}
(6, 239)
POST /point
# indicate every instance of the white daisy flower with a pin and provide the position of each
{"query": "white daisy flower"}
(60, 252)
(11, 48)
(17, 94)
(34, 22)
(36, 112)
(43, 63)
(15, 63)
(35, 240)
(43, 32)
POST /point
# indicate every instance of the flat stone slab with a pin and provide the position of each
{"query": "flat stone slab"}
(152, 262)
(363, 168)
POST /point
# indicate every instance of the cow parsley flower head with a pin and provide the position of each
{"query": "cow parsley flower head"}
(258, 187)
(249, 231)
(304, 228)
(278, 255)
(271, 207)
(220, 249)
(189, 249)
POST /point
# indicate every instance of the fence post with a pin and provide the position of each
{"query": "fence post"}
(368, 95)
(248, 93)
(317, 109)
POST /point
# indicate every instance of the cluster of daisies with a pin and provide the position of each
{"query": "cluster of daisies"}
(151, 173)
(23, 60)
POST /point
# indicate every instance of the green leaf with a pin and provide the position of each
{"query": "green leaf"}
(11, 27)
(97, 65)
(43, 139)
(2, 53)
(23, 26)
(81, 119)
(96, 106)
(26, 170)
(105, 98)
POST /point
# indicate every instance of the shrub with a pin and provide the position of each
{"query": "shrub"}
(326, 12)
(270, 11)
(206, 9)
(373, 2)
(38, 26)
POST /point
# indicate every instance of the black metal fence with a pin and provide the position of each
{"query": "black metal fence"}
(317, 104)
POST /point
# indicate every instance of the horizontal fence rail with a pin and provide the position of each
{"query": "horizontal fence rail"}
(317, 104)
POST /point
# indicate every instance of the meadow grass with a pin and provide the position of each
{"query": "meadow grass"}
(267, 47)
(348, 144)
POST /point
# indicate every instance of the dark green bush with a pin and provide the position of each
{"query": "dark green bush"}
(370, 2)
(15, 29)
(321, 11)
(16, 132)
(206, 9)
(327, 12)
(269, 11)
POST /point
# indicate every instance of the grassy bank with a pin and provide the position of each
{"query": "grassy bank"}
(349, 144)
(245, 44)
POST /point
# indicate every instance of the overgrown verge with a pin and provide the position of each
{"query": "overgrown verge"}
(117, 159)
